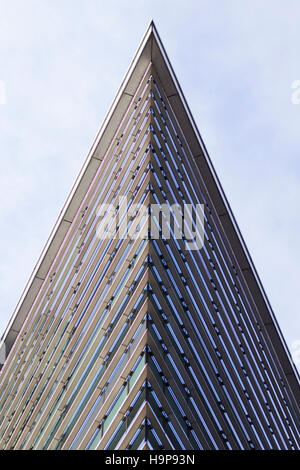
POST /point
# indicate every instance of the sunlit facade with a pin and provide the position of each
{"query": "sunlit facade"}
(139, 343)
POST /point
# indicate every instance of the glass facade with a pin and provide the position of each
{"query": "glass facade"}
(134, 340)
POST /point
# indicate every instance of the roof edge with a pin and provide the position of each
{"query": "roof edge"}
(10, 333)
(229, 223)
(226, 216)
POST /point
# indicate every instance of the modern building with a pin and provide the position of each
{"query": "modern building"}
(122, 341)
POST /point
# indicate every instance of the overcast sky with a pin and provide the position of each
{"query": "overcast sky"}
(61, 63)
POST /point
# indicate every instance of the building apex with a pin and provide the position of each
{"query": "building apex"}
(150, 55)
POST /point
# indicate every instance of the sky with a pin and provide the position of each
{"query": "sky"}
(238, 62)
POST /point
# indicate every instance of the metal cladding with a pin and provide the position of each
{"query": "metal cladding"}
(127, 342)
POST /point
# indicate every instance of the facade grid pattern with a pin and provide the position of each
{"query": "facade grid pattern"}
(132, 342)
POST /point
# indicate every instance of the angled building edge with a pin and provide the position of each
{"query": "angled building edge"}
(213, 351)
